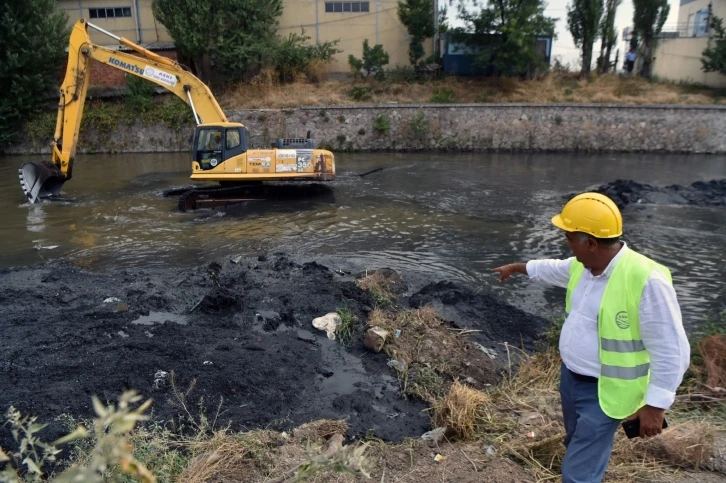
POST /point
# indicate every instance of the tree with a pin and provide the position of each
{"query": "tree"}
(714, 57)
(237, 34)
(33, 35)
(504, 34)
(608, 35)
(371, 63)
(648, 19)
(418, 17)
(293, 54)
(583, 20)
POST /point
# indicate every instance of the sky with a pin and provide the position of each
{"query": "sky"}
(565, 48)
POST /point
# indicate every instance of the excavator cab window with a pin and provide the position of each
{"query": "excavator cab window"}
(209, 147)
(214, 145)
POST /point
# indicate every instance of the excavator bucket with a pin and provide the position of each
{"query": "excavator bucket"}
(40, 180)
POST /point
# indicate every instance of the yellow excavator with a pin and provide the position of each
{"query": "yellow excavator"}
(219, 148)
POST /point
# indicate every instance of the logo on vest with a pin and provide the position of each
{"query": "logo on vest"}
(621, 320)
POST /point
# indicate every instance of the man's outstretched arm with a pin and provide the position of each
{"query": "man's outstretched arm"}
(555, 272)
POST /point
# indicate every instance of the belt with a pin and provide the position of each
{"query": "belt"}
(581, 378)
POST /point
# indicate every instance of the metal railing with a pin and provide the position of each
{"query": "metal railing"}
(684, 30)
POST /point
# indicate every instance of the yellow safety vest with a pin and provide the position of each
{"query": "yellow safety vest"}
(624, 362)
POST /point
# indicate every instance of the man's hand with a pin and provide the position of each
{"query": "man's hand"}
(508, 270)
(651, 420)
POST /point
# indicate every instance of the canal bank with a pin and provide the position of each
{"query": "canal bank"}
(439, 127)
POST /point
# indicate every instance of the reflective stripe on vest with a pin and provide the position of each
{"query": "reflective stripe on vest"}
(624, 362)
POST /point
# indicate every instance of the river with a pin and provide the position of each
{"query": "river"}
(429, 216)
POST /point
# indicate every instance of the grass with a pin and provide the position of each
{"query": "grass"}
(518, 419)
(552, 88)
(379, 286)
(346, 329)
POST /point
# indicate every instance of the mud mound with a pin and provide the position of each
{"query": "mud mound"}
(239, 330)
(627, 192)
(498, 321)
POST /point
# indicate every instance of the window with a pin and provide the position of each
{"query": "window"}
(335, 7)
(209, 140)
(116, 12)
(233, 139)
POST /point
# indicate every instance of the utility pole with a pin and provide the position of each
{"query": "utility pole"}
(378, 5)
(436, 25)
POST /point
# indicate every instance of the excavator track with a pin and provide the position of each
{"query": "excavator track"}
(216, 197)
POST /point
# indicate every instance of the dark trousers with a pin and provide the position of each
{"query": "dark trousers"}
(589, 431)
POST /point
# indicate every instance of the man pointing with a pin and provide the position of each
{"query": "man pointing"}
(623, 346)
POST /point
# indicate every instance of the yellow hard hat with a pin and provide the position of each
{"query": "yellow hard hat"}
(591, 213)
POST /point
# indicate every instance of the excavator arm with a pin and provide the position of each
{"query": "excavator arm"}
(45, 179)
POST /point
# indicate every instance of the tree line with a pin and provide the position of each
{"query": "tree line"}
(238, 38)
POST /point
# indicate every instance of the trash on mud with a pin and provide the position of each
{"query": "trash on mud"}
(435, 435)
(490, 450)
(236, 259)
(398, 333)
(112, 300)
(400, 366)
(490, 352)
(375, 338)
(329, 323)
(530, 435)
(207, 363)
(122, 308)
(160, 379)
(439, 457)
(530, 418)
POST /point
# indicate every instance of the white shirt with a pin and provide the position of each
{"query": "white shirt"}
(661, 326)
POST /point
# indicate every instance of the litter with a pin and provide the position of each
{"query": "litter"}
(439, 457)
(375, 338)
(329, 323)
(112, 300)
(399, 366)
(434, 435)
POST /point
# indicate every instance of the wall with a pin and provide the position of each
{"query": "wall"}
(148, 32)
(680, 60)
(473, 127)
(690, 7)
(351, 28)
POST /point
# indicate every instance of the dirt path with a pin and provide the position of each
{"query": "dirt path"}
(239, 331)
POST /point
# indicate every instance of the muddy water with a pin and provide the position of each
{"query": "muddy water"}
(431, 217)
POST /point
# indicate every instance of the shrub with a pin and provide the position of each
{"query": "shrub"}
(139, 93)
(405, 73)
(442, 96)
(419, 126)
(372, 62)
(382, 124)
(360, 93)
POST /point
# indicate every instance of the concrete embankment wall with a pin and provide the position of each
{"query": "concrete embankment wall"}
(460, 127)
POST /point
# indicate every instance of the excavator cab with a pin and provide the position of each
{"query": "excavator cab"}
(213, 145)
